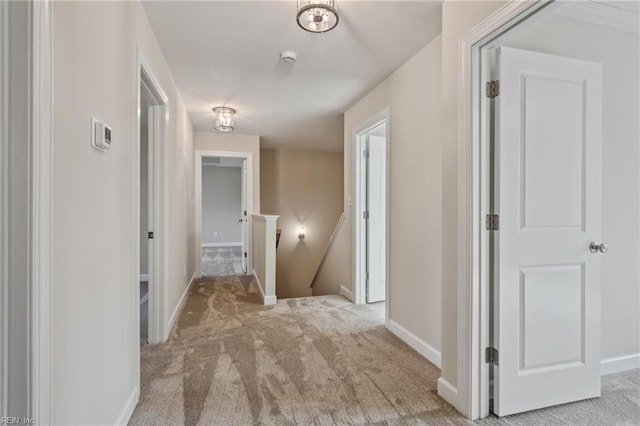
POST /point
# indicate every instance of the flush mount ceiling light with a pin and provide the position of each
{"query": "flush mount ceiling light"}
(317, 16)
(224, 118)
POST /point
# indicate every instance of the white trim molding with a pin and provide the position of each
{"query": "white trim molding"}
(144, 79)
(423, 348)
(128, 408)
(447, 391)
(144, 277)
(183, 299)
(472, 333)
(619, 364)
(41, 209)
(4, 207)
(158, 255)
(346, 293)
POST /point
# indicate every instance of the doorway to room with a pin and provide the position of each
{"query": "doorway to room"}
(371, 214)
(553, 174)
(224, 216)
(152, 107)
(146, 210)
(223, 205)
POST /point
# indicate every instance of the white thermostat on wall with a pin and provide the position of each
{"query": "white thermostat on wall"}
(101, 135)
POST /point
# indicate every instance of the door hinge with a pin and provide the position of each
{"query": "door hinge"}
(493, 89)
(365, 153)
(150, 235)
(365, 214)
(491, 355)
(245, 212)
(492, 222)
(245, 254)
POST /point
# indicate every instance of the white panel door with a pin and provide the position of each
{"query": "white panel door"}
(243, 217)
(376, 224)
(548, 194)
(152, 130)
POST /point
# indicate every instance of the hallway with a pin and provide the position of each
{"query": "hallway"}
(231, 360)
(318, 360)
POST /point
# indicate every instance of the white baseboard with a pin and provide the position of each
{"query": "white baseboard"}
(345, 292)
(129, 406)
(144, 277)
(448, 392)
(619, 364)
(419, 345)
(266, 300)
(209, 245)
(178, 309)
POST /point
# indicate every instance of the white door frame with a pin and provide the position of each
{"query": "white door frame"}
(42, 210)
(248, 157)
(158, 259)
(40, 140)
(359, 225)
(4, 207)
(472, 397)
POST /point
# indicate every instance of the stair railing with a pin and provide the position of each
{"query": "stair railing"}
(329, 245)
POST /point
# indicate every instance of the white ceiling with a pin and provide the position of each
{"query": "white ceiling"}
(618, 15)
(227, 53)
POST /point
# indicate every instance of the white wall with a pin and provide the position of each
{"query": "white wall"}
(618, 52)
(412, 95)
(221, 204)
(94, 221)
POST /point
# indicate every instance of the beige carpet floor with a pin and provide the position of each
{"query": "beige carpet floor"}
(320, 360)
(222, 261)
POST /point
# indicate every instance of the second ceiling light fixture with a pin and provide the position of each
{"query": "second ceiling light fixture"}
(317, 16)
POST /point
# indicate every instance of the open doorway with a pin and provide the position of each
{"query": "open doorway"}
(224, 216)
(224, 203)
(554, 180)
(152, 120)
(371, 214)
(146, 210)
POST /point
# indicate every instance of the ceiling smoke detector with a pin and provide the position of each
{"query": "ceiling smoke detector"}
(288, 56)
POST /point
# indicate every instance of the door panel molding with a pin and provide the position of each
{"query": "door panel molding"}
(547, 321)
